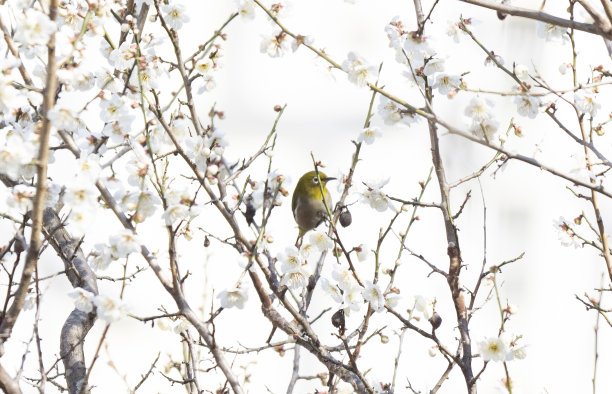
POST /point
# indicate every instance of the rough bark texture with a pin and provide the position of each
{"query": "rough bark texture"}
(78, 323)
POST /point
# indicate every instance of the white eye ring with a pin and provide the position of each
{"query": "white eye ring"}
(315, 180)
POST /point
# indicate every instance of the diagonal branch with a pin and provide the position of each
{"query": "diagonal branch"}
(10, 318)
(602, 30)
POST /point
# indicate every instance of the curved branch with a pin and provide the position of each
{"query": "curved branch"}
(604, 30)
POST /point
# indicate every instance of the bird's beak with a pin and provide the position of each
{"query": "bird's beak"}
(329, 178)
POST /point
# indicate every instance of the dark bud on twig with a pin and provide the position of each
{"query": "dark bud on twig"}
(338, 321)
(250, 213)
(435, 320)
(20, 243)
(277, 108)
(500, 14)
(346, 218)
(206, 241)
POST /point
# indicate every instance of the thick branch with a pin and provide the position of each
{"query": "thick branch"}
(78, 323)
(10, 318)
(601, 30)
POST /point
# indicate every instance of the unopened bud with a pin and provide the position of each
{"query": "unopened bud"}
(435, 320)
(277, 108)
(346, 218)
(280, 350)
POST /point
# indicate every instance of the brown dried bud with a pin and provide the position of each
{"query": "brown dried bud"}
(20, 244)
(280, 350)
(277, 108)
(206, 241)
(249, 214)
(338, 321)
(435, 320)
(346, 218)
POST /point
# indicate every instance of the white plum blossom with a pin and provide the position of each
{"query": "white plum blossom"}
(308, 250)
(295, 279)
(181, 326)
(331, 289)
(106, 80)
(148, 77)
(198, 151)
(124, 243)
(175, 213)
(294, 269)
(352, 299)
(109, 309)
(88, 168)
(83, 299)
(246, 9)
(358, 69)
(235, 297)
(277, 44)
(203, 66)
(521, 72)
(433, 66)
(416, 50)
(395, 33)
(519, 353)
(488, 127)
(375, 197)
(291, 260)
(21, 198)
(15, 154)
(447, 84)
(392, 300)
(81, 196)
(80, 78)
(114, 109)
(580, 170)
(551, 32)
(453, 31)
(345, 278)
(392, 113)
(144, 204)
(206, 83)
(175, 15)
(123, 57)
(301, 40)
(369, 135)
(563, 67)
(62, 118)
(321, 241)
(81, 220)
(586, 103)
(374, 295)
(9, 96)
(34, 28)
(479, 110)
(423, 305)
(528, 105)
(493, 349)
(363, 252)
(482, 122)
(100, 257)
(566, 234)
(52, 195)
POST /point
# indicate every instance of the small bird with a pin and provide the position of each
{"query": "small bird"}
(307, 203)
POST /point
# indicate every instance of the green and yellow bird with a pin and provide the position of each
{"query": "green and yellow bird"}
(307, 203)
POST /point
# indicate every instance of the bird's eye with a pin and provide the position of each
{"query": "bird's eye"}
(315, 180)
